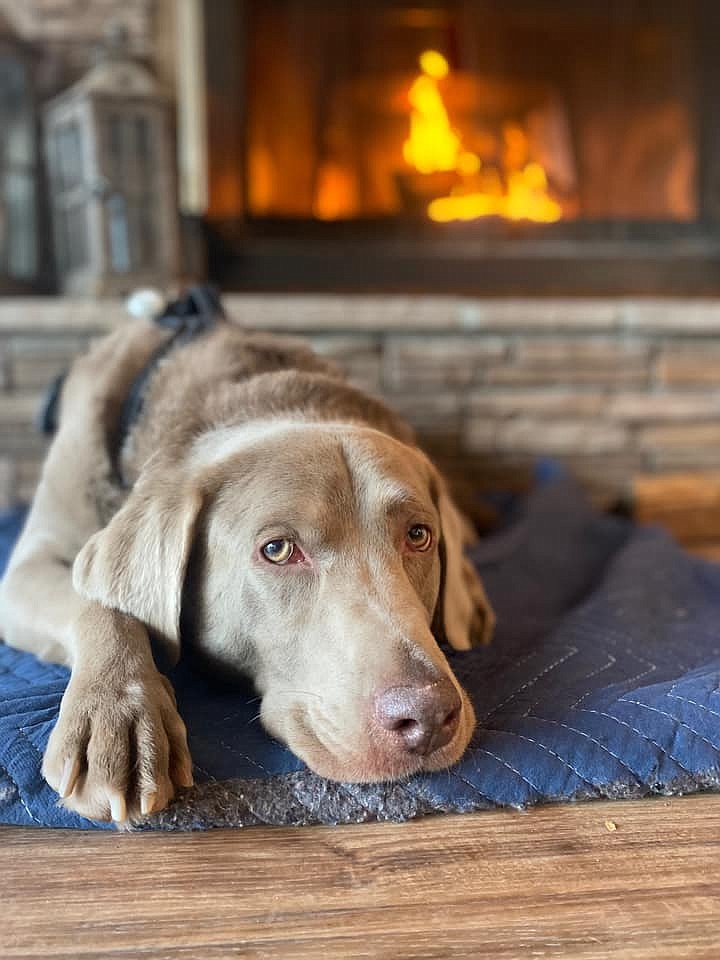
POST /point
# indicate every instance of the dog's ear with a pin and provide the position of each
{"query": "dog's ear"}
(463, 615)
(137, 563)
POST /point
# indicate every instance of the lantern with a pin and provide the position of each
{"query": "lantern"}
(19, 184)
(110, 160)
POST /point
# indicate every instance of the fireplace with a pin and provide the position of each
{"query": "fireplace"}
(523, 146)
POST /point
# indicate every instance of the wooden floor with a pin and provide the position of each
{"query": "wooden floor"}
(637, 880)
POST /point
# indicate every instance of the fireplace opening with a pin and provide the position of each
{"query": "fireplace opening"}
(464, 145)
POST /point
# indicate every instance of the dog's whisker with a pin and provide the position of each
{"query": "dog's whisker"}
(301, 693)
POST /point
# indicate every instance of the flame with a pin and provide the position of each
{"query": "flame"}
(433, 146)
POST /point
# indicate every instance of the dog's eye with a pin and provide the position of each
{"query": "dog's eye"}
(279, 551)
(419, 537)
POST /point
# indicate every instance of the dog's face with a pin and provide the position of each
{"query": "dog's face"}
(327, 561)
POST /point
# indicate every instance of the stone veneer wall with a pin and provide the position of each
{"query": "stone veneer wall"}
(610, 387)
(67, 32)
(80, 24)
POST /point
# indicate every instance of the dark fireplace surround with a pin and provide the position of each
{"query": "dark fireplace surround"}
(308, 108)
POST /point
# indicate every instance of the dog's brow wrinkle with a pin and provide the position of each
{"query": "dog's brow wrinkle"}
(393, 494)
(352, 492)
(224, 441)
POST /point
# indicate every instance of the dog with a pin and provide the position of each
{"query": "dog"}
(256, 509)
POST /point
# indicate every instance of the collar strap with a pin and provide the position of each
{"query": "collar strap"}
(189, 317)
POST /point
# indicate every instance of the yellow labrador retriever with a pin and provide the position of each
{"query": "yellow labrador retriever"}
(282, 523)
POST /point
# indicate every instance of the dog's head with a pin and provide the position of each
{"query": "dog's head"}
(327, 562)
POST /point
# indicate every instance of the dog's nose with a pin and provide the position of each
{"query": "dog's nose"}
(424, 718)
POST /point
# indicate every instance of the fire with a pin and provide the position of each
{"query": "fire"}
(434, 146)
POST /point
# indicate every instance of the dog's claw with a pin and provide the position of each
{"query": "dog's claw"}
(147, 803)
(118, 808)
(71, 771)
(183, 776)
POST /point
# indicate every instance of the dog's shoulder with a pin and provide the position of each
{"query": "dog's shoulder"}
(227, 375)
(236, 376)
(323, 397)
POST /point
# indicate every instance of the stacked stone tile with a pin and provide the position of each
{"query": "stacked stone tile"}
(612, 388)
(79, 25)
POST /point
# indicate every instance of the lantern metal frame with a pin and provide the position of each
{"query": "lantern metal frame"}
(21, 253)
(109, 149)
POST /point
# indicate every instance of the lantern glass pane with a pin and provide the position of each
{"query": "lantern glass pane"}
(71, 226)
(144, 154)
(70, 218)
(119, 234)
(68, 165)
(146, 235)
(78, 232)
(17, 143)
(121, 149)
(132, 208)
(20, 212)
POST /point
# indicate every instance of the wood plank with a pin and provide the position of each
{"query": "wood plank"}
(636, 879)
(687, 504)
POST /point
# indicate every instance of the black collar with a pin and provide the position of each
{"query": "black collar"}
(189, 317)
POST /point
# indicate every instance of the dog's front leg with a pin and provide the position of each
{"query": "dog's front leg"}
(119, 748)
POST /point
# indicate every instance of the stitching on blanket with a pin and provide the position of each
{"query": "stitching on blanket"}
(694, 703)
(676, 720)
(485, 796)
(15, 675)
(628, 680)
(595, 673)
(510, 767)
(621, 638)
(651, 667)
(547, 749)
(571, 651)
(531, 706)
(589, 692)
(714, 692)
(239, 753)
(644, 736)
(581, 733)
(38, 754)
(20, 797)
(39, 723)
(211, 778)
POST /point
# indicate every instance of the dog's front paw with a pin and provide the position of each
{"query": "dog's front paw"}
(119, 748)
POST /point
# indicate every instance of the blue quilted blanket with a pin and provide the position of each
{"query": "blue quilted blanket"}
(603, 681)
